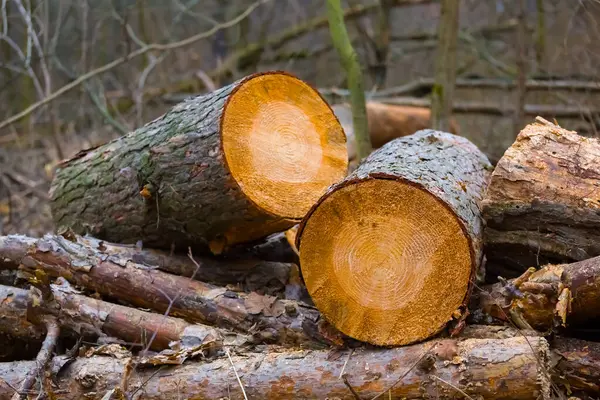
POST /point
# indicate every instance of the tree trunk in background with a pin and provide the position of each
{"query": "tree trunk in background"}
(382, 41)
(445, 66)
(349, 58)
(521, 93)
(540, 36)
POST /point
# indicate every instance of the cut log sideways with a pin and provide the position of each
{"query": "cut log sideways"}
(232, 166)
(388, 254)
(543, 202)
(514, 368)
(386, 123)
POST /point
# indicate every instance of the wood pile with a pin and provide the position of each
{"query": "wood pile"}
(224, 250)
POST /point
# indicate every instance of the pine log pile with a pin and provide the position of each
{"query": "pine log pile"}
(224, 250)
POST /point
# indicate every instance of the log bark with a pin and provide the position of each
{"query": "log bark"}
(229, 167)
(265, 317)
(512, 368)
(377, 265)
(14, 314)
(555, 295)
(542, 203)
(386, 122)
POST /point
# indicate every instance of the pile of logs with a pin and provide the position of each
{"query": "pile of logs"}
(224, 250)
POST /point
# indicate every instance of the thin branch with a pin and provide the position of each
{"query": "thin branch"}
(42, 358)
(122, 60)
(236, 374)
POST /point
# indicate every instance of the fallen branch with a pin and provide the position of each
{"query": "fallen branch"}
(265, 317)
(110, 322)
(487, 368)
(42, 359)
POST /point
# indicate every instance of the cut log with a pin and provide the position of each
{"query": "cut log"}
(513, 368)
(228, 167)
(386, 123)
(87, 316)
(267, 318)
(555, 295)
(543, 202)
(388, 254)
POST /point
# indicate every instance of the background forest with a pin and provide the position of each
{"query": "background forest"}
(75, 74)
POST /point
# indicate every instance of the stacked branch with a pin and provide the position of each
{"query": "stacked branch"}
(266, 318)
(389, 254)
(229, 167)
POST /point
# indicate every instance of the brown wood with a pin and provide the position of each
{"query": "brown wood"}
(205, 174)
(14, 314)
(555, 295)
(265, 317)
(389, 254)
(543, 200)
(513, 368)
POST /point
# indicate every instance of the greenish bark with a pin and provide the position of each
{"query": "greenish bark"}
(343, 45)
(166, 184)
(445, 66)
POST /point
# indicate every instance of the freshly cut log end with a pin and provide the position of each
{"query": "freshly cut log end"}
(282, 143)
(388, 254)
(225, 168)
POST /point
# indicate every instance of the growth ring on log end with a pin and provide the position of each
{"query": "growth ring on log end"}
(227, 167)
(388, 254)
(282, 144)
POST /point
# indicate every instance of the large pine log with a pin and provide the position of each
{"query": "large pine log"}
(388, 254)
(543, 200)
(514, 368)
(228, 167)
(267, 318)
(386, 122)
(82, 315)
(555, 295)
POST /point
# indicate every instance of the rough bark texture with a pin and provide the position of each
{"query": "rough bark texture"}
(245, 269)
(491, 368)
(165, 184)
(265, 317)
(555, 295)
(14, 314)
(386, 122)
(111, 322)
(448, 166)
(543, 200)
(576, 365)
